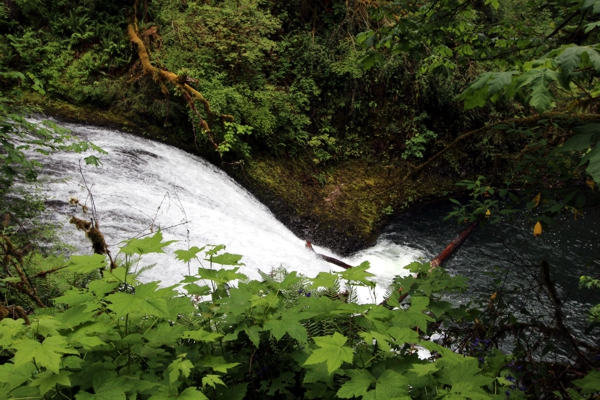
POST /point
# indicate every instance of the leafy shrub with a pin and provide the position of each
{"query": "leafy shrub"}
(219, 335)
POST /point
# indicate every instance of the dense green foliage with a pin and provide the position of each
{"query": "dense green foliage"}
(284, 337)
(289, 73)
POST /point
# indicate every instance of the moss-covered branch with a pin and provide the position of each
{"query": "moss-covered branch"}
(161, 77)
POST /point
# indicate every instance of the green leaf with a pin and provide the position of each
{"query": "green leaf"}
(390, 385)
(238, 302)
(47, 325)
(86, 341)
(164, 334)
(220, 275)
(477, 93)
(75, 297)
(324, 279)
(594, 5)
(424, 369)
(14, 375)
(178, 367)
(414, 316)
(287, 324)
(226, 259)
(101, 287)
(218, 364)
(574, 57)
(47, 354)
(372, 59)
(201, 335)
(591, 26)
(187, 255)
(107, 386)
(317, 373)
(537, 83)
(197, 290)
(495, 3)
(467, 390)
(253, 334)
(319, 307)
(381, 339)
(47, 380)
(593, 169)
(358, 385)
(191, 393)
(331, 351)
(212, 380)
(75, 316)
(92, 160)
(590, 383)
(86, 264)
(403, 335)
(359, 274)
(465, 371)
(153, 244)
(233, 392)
(586, 135)
(25, 392)
(9, 328)
(180, 306)
(145, 300)
(499, 80)
(363, 36)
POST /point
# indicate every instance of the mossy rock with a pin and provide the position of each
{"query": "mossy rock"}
(343, 206)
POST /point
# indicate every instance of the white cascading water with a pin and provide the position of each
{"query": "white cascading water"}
(144, 185)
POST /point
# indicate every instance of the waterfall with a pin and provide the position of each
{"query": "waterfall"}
(143, 186)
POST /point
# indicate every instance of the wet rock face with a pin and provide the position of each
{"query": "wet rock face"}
(340, 240)
(331, 233)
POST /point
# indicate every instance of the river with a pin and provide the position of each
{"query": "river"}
(143, 186)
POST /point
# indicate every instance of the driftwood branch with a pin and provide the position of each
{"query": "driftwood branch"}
(331, 260)
(448, 250)
(436, 262)
(14, 312)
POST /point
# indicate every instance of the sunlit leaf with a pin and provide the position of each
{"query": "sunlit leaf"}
(152, 244)
(331, 351)
(48, 380)
(86, 263)
(46, 354)
(358, 385)
(187, 255)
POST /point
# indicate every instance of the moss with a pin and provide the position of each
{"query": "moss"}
(344, 205)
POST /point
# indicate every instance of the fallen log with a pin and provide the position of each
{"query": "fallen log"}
(327, 258)
(436, 262)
